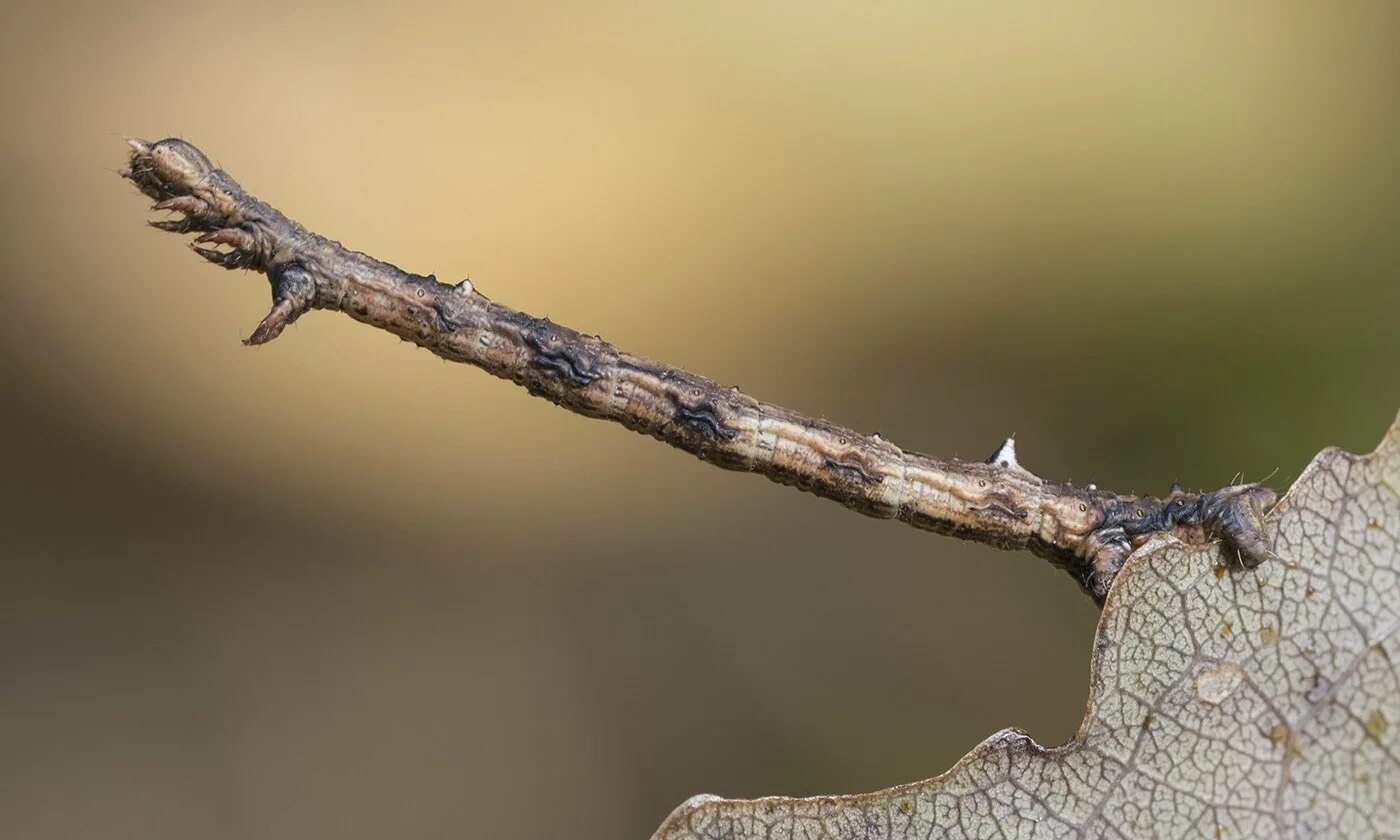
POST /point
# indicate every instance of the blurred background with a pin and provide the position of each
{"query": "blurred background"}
(338, 588)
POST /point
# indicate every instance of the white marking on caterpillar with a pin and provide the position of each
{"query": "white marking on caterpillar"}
(1005, 456)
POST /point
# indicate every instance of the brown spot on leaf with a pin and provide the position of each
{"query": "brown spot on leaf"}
(1376, 725)
(1284, 737)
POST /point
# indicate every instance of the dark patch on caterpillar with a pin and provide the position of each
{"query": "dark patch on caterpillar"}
(558, 356)
(702, 417)
(445, 320)
(1139, 517)
(1234, 514)
(854, 468)
(998, 503)
(423, 319)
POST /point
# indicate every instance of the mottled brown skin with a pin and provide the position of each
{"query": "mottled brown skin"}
(1088, 532)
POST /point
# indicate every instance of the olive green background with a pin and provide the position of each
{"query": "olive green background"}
(338, 588)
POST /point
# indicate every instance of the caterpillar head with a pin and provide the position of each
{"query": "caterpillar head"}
(168, 168)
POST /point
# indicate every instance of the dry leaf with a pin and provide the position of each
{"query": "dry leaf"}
(1222, 703)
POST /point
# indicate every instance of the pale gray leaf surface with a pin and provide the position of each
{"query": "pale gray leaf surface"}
(1222, 703)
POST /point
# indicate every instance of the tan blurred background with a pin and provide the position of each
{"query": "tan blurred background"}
(337, 588)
